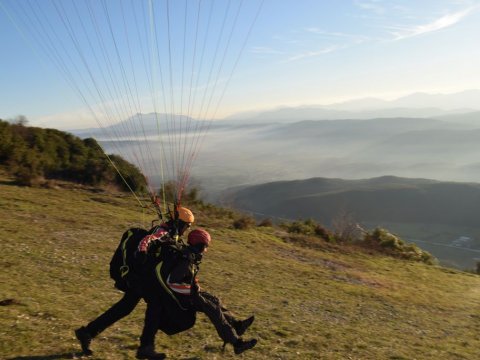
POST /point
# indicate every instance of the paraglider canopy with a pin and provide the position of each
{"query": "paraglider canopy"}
(152, 74)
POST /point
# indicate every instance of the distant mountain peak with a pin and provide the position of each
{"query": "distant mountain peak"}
(418, 104)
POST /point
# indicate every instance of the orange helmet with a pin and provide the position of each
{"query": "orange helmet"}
(199, 236)
(185, 215)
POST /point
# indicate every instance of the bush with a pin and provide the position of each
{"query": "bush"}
(308, 228)
(244, 222)
(388, 243)
(266, 223)
(323, 233)
(299, 227)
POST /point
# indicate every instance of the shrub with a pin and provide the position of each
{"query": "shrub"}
(244, 222)
(308, 228)
(386, 242)
(323, 233)
(299, 227)
(266, 223)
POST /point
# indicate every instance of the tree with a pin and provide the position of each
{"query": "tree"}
(345, 228)
(32, 154)
(20, 120)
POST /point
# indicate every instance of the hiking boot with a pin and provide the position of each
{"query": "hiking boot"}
(241, 345)
(85, 338)
(148, 352)
(242, 325)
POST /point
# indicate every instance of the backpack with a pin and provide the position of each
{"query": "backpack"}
(122, 264)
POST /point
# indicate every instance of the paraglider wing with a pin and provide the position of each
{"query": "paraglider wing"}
(151, 74)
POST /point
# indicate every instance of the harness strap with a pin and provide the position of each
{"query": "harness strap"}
(158, 270)
(124, 269)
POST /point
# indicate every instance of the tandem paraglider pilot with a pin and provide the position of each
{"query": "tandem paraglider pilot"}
(159, 267)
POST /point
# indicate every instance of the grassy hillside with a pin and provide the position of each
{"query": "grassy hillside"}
(325, 303)
(420, 210)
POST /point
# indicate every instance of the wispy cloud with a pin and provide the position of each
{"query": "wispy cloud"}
(320, 41)
(371, 5)
(309, 54)
(264, 50)
(356, 38)
(436, 25)
(319, 31)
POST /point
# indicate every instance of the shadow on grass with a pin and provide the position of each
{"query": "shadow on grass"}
(68, 355)
(7, 182)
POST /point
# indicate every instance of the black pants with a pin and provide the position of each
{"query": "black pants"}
(220, 317)
(152, 320)
(204, 302)
(118, 311)
(123, 308)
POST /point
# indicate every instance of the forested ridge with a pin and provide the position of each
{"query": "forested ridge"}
(32, 155)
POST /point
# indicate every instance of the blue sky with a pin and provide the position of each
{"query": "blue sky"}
(299, 52)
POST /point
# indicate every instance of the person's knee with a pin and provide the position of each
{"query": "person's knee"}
(210, 297)
(127, 304)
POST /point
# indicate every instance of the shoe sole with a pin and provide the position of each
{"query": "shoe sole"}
(85, 350)
(251, 346)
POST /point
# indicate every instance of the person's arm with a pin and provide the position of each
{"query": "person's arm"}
(148, 240)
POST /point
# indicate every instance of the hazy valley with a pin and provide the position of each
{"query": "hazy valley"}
(343, 142)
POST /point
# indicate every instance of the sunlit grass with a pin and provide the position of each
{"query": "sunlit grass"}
(332, 303)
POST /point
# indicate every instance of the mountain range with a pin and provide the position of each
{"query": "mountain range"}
(441, 217)
(376, 200)
(457, 107)
(412, 105)
(241, 152)
(349, 149)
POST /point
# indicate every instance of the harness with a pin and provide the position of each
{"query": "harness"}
(158, 272)
(169, 256)
(124, 269)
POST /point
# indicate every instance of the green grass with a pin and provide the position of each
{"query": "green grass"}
(333, 302)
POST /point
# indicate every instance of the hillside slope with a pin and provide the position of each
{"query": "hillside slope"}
(32, 155)
(430, 213)
(329, 303)
(381, 199)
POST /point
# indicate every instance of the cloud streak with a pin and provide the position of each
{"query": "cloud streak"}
(264, 50)
(336, 34)
(436, 25)
(371, 5)
(309, 54)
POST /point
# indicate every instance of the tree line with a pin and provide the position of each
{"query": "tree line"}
(32, 154)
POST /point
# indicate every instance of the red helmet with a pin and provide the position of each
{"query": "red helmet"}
(199, 236)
